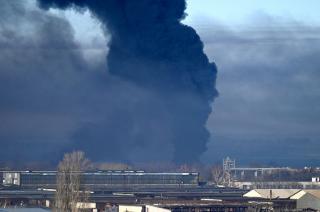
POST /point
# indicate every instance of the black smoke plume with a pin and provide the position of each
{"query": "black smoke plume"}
(174, 82)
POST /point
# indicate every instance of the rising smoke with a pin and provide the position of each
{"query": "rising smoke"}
(174, 83)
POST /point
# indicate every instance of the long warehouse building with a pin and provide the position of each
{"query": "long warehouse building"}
(102, 179)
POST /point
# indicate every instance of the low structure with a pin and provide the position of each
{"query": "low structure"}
(271, 193)
(151, 208)
(276, 185)
(129, 208)
(300, 200)
(142, 208)
(307, 199)
(315, 179)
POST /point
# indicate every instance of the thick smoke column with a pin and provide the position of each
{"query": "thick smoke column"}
(151, 49)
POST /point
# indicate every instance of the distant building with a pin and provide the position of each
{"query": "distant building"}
(129, 208)
(301, 200)
(100, 179)
(10, 178)
(240, 173)
(307, 199)
(276, 185)
(141, 208)
(271, 193)
(151, 208)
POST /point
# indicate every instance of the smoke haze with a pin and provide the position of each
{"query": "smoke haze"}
(164, 59)
(150, 102)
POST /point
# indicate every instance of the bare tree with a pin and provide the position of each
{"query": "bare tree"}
(69, 181)
(217, 175)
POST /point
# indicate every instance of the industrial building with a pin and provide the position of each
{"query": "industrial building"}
(295, 199)
(307, 199)
(102, 179)
(145, 191)
(239, 173)
(276, 185)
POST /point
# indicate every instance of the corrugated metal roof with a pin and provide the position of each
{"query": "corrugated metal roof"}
(314, 192)
(272, 193)
(298, 195)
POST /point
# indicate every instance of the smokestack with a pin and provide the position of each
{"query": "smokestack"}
(153, 50)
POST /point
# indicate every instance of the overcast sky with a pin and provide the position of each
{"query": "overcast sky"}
(267, 53)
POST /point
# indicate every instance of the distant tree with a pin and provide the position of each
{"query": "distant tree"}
(68, 182)
(218, 176)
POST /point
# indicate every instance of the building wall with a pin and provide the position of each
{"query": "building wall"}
(277, 185)
(150, 208)
(308, 201)
(129, 208)
(86, 205)
(11, 178)
(48, 179)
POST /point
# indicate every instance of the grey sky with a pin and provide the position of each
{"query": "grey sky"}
(269, 85)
